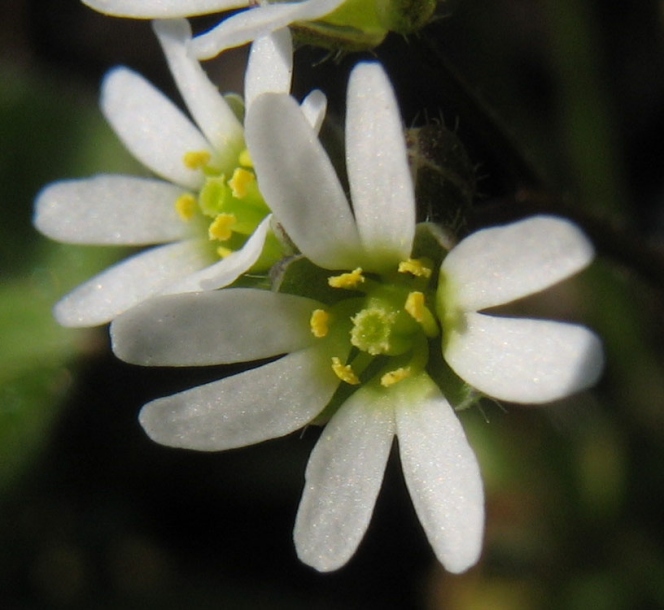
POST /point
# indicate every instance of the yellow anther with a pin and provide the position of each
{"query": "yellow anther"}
(416, 267)
(241, 179)
(319, 323)
(245, 159)
(415, 306)
(389, 379)
(344, 372)
(347, 280)
(224, 252)
(221, 227)
(197, 159)
(185, 206)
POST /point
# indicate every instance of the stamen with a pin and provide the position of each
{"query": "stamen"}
(416, 307)
(245, 159)
(221, 227)
(392, 377)
(197, 159)
(416, 267)
(347, 280)
(240, 182)
(319, 323)
(185, 206)
(344, 372)
(224, 252)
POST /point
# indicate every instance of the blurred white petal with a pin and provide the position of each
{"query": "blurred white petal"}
(498, 265)
(380, 181)
(207, 106)
(314, 107)
(441, 473)
(169, 9)
(270, 66)
(129, 282)
(154, 130)
(267, 402)
(108, 209)
(218, 327)
(524, 360)
(299, 183)
(258, 22)
(343, 478)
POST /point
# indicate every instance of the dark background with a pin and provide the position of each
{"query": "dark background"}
(560, 104)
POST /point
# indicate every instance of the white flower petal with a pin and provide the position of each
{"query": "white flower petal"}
(270, 65)
(128, 283)
(227, 270)
(257, 22)
(343, 478)
(498, 265)
(248, 408)
(299, 183)
(441, 473)
(218, 327)
(314, 107)
(170, 9)
(151, 126)
(380, 181)
(206, 105)
(110, 209)
(523, 360)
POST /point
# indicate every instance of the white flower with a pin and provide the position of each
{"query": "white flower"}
(193, 160)
(234, 31)
(330, 347)
(358, 352)
(520, 360)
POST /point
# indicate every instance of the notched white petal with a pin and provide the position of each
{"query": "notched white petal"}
(299, 182)
(498, 265)
(207, 106)
(441, 472)
(267, 402)
(126, 284)
(107, 210)
(154, 130)
(524, 360)
(218, 327)
(380, 180)
(343, 478)
(270, 65)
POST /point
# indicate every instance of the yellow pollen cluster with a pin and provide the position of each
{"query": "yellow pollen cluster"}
(389, 379)
(347, 280)
(197, 159)
(240, 181)
(185, 205)
(245, 159)
(224, 252)
(319, 323)
(344, 372)
(415, 306)
(221, 227)
(415, 267)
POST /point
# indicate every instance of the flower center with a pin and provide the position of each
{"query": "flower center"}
(387, 326)
(229, 203)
